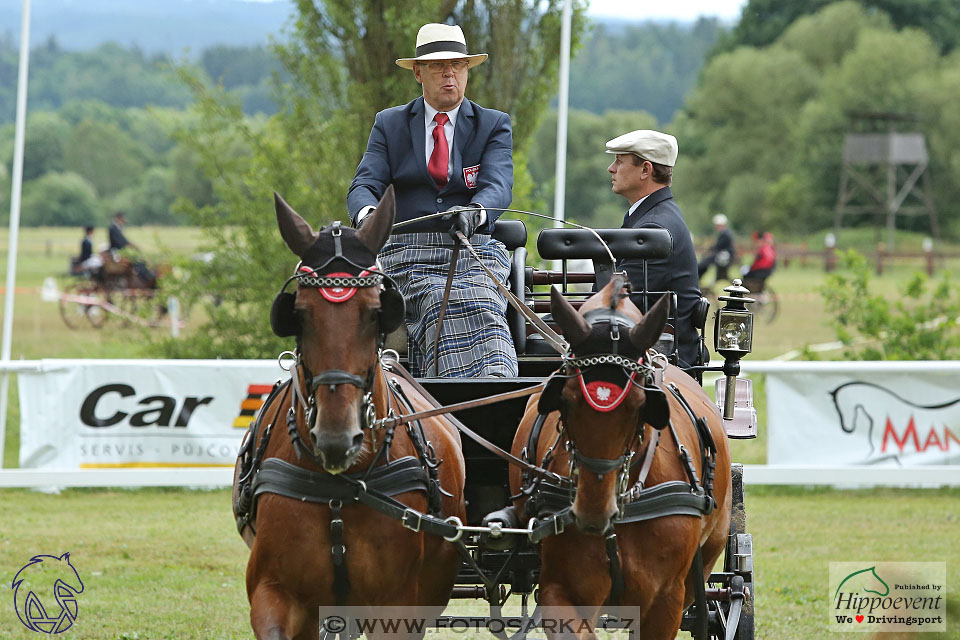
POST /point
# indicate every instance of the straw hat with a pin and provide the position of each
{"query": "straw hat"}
(441, 42)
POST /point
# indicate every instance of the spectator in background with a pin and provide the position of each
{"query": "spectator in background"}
(765, 259)
(722, 253)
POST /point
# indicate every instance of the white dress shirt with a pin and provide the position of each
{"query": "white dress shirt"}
(636, 204)
(449, 129)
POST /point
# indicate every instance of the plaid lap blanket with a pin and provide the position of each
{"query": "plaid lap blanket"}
(476, 339)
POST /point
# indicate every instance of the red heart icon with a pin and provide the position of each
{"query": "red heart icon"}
(859, 618)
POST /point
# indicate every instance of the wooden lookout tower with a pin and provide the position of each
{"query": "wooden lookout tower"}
(885, 172)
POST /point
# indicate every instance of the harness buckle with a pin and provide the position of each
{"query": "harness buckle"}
(361, 488)
(410, 512)
(557, 525)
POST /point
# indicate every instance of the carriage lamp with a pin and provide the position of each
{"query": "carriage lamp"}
(733, 338)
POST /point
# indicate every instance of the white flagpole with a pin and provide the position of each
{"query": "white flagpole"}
(562, 99)
(14, 216)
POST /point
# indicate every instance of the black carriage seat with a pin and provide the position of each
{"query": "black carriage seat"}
(513, 234)
(637, 244)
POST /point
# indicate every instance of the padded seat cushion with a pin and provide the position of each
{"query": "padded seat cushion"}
(512, 233)
(639, 244)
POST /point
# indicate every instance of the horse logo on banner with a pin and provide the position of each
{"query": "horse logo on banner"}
(40, 578)
(897, 429)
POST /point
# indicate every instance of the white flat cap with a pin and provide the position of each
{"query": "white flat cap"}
(649, 145)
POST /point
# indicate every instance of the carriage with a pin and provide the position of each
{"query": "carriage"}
(498, 543)
(119, 288)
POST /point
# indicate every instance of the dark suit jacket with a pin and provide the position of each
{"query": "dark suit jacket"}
(86, 249)
(677, 273)
(396, 155)
(724, 242)
(117, 239)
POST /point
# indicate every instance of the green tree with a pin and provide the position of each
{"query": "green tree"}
(341, 62)
(189, 180)
(42, 146)
(60, 199)
(150, 200)
(238, 66)
(106, 156)
(762, 22)
(664, 60)
(109, 79)
(110, 73)
(735, 134)
(764, 129)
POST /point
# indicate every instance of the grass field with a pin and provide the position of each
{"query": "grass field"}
(161, 564)
(169, 565)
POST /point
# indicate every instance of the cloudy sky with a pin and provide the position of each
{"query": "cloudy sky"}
(658, 9)
(666, 9)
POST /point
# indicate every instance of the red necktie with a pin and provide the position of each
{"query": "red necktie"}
(440, 158)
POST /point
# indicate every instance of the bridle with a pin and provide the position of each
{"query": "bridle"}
(637, 371)
(335, 287)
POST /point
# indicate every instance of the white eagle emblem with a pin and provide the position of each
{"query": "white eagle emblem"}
(603, 394)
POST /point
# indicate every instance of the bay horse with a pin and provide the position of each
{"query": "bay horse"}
(604, 410)
(326, 524)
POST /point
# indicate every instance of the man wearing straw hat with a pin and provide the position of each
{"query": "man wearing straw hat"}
(642, 173)
(446, 154)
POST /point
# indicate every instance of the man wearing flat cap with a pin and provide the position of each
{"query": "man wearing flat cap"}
(444, 153)
(641, 173)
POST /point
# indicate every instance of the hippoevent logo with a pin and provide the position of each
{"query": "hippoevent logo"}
(888, 596)
(898, 429)
(45, 594)
(256, 395)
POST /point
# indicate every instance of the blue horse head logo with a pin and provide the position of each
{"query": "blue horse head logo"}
(33, 586)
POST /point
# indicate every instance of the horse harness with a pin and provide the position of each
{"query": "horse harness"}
(551, 495)
(551, 505)
(375, 486)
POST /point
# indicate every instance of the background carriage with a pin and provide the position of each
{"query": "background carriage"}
(120, 288)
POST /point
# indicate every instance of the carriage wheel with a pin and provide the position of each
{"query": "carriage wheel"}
(97, 315)
(75, 313)
(769, 304)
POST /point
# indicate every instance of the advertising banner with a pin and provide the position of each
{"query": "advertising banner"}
(823, 415)
(89, 414)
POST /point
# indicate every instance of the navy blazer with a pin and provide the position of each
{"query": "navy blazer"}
(396, 155)
(677, 272)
